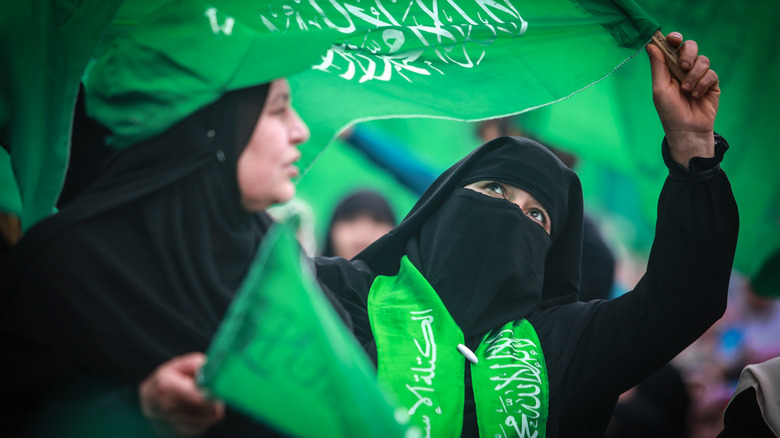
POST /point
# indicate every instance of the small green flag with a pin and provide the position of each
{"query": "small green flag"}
(283, 356)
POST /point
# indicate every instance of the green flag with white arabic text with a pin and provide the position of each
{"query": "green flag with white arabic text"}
(283, 356)
(456, 59)
(463, 60)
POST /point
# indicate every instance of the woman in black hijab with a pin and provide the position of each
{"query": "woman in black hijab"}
(470, 305)
(141, 267)
(104, 303)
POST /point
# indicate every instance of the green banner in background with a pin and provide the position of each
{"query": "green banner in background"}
(283, 356)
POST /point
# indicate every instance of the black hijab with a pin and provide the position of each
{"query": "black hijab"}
(488, 262)
(357, 204)
(140, 267)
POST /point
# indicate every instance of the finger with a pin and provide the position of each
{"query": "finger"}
(700, 68)
(706, 84)
(688, 53)
(674, 38)
(658, 70)
(189, 399)
(188, 364)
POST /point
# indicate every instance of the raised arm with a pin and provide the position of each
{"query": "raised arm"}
(685, 287)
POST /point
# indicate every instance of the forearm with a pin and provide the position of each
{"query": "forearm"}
(683, 291)
(696, 232)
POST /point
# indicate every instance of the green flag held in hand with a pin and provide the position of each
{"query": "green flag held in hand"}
(283, 356)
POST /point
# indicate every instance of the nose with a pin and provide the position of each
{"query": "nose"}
(299, 132)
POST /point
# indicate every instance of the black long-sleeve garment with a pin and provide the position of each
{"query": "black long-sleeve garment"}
(595, 351)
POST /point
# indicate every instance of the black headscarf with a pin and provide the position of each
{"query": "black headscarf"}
(488, 262)
(357, 204)
(141, 267)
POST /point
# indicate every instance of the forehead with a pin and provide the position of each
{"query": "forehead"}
(279, 89)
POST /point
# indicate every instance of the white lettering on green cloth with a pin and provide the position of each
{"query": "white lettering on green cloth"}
(418, 362)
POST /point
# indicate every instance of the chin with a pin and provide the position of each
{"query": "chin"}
(286, 195)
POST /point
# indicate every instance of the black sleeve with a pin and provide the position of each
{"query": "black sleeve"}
(682, 293)
(349, 283)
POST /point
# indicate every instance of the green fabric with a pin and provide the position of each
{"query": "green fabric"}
(418, 360)
(184, 57)
(9, 191)
(466, 60)
(417, 355)
(510, 383)
(613, 127)
(44, 48)
(283, 356)
(766, 281)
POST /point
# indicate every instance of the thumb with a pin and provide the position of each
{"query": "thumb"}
(658, 70)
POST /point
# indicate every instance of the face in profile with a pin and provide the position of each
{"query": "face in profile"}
(530, 206)
(266, 166)
(350, 236)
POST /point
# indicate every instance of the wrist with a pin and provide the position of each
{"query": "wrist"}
(699, 168)
(685, 146)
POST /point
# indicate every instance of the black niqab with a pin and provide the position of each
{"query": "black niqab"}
(488, 262)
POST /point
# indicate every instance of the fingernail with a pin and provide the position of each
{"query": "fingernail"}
(686, 86)
(685, 65)
(676, 35)
(696, 94)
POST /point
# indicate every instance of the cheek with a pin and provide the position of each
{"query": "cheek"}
(252, 172)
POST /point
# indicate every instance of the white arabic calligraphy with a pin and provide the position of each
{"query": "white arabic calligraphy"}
(520, 386)
(380, 43)
(427, 350)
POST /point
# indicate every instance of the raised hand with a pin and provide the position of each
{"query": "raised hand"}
(687, 109)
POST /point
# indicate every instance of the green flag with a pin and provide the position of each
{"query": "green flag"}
(44, 48)
(457, 59)
(283, 356)
(463, 60)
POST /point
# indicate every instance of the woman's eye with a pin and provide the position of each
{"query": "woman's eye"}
(537, 215)
(496, 188)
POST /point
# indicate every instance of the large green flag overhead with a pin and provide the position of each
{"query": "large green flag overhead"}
(283, 356)
(463, 60)
(460, 59)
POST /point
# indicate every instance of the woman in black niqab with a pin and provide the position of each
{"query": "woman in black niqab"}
(487, 261)
(490, 264)
(479, 253)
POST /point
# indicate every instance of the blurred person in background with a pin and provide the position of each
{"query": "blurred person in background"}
(358, 220)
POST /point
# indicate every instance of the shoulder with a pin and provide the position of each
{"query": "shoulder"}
(340, 274)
